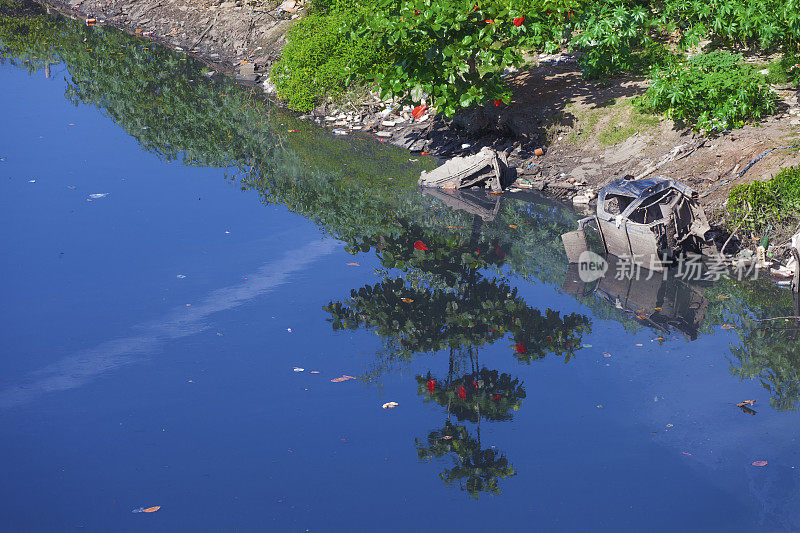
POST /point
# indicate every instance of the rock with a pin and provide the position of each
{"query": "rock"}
(388, 123)
(384, 134)
(581, 199)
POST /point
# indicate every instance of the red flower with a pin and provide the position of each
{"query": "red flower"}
(475, 384)
(518, 21)
(549, 339)
(489, 21)
(476, 8)
(462, 392)
(519, 348)
(496, 397)
(419, 245)
(497, 103)
(431, 385)
(416, 12)
(418, 111)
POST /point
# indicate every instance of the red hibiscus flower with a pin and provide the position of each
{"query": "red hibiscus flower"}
(496, 397)
(431, 385)
(519, 348)
(497, 103)
(489, 21)
(419, 245)
(418, 111)
(462, 392)
(518, 21)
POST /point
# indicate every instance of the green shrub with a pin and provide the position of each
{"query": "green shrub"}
(785, 70)
(322, 60)
(714, 91)
(774, 202)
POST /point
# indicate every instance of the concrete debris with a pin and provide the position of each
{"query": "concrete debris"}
(487, 168)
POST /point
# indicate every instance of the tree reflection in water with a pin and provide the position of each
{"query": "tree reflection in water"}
(442, 301)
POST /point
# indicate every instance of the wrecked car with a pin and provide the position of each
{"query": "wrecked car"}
(650, 221)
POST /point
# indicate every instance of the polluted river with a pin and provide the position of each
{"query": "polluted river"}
(219, 317)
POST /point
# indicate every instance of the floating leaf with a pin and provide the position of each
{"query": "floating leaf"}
(745, 402)
(152, 509)
(390, 405)
(407, 300)
(419, 245)
(727, 326)
(353, 264)
(759, 463)
(344, 377)
(513, 226)
(723, 297)
(642, 317)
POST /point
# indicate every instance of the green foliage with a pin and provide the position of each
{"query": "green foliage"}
(714, 92)
(609, 33)
(451, 53)
(774, 201)
(322, 59)
(785, 70)
(464, 46)
(763, 23)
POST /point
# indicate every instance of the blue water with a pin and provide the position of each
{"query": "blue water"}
(150, 339)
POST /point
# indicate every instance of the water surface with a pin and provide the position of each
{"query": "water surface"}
(152, 336)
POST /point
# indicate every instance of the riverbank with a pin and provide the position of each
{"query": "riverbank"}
(589, 131)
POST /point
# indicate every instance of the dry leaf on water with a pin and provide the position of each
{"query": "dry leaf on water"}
(152, 509)
(642, 317)
(727, 326)
(344, 377)
(745, 402)
(390, 405)
(759, 463)
(512, 226)
(407, 300)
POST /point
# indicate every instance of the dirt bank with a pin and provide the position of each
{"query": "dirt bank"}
(241, 39)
